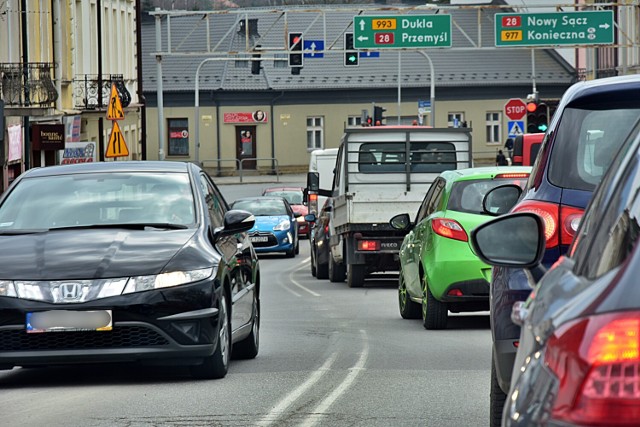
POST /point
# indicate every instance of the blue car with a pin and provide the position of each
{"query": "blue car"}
(276, 229)
(589, 127)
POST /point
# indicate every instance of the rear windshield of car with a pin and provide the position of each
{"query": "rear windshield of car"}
(266, 207)
(466, 196)
(425, 157)
(586, 141)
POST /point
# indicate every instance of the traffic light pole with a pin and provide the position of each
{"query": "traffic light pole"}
(432, 115)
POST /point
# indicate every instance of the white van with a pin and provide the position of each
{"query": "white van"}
(322, 161)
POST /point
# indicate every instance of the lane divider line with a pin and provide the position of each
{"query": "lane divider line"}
(295, 282)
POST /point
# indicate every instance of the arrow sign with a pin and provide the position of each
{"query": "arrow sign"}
(313, 48)
(362, 25)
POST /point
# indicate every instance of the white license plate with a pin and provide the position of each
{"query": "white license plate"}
(259, 239)
(68, 321)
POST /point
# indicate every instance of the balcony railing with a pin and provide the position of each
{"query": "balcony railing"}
(27, 84)
(86, 93)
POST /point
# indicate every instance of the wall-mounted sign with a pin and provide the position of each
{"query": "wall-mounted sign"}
(79, 152)
(15, 143)
(257, 116)
(47, 137)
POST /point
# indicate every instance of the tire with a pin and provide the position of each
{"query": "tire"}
(314, 269)
(497, 398)
(297, 251)
(408, 308)
(355, 275)
(322, 270)
(248, 348)
(336, 271)
(217, 365)
(291, 252)
(434, 312)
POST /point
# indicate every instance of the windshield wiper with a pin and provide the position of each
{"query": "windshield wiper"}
(129, 226)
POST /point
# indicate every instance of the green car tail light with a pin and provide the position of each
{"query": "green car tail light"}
(449, 228)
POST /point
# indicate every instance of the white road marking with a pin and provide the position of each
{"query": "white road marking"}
(290, 290)
(295, 282)
(279, 409)
(321, 409)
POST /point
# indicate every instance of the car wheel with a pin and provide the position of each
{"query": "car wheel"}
(322, 270)
(336, 271)
(408, 308)
(355, 276)
(434, 312)
(248, 347)
(497, 398)
(291, 252)
(217, 365)
(297, 247)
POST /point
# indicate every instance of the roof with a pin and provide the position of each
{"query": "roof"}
(97, 167)
(486, 172)
(462, 66)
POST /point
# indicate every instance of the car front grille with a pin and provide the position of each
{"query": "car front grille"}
(271, 240)
(119, 337)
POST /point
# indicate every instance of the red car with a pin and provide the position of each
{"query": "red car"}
(293, 195)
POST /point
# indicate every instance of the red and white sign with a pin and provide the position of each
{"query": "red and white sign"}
(257, 116)
(515, 109)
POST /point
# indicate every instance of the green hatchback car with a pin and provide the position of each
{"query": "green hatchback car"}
(438, 270)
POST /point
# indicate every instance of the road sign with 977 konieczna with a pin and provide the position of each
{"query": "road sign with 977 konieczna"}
(515, 109)
(401, 31)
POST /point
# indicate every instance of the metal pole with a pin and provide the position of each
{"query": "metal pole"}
(399, 84)
(159, 89)
(533, 70)
(433, 90)
(197, 106)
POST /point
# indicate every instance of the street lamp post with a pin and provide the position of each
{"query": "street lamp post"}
(197, 105)
(433, 90)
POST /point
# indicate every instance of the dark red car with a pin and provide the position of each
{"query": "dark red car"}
(293, 195)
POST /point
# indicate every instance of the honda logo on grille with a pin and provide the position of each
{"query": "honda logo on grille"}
(70, 291)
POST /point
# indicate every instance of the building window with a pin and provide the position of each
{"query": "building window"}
(493, 124)
(455, 120)
(354, 121)
(178, 137)
(315, 132)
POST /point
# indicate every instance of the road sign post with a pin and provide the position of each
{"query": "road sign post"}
(515, 109)
(408, 31)
(555, 28)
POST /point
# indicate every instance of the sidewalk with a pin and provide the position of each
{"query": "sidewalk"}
(282, 179)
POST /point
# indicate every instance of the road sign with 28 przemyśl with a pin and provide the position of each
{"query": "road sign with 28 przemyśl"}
(401, 31)
(553, 29)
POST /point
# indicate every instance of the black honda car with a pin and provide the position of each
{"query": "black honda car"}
(125, 262)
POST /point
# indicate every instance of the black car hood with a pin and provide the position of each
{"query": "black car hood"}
(89, 253)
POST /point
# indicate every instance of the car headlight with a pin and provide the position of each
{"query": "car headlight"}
(166, 280)
(283, 225)
(7, 289)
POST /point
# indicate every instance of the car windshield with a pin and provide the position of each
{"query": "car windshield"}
(292, 196)
(261, 207)
(80, 200)
(586, 142)
(467, 196)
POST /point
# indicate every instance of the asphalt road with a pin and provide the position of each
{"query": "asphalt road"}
(329, 356)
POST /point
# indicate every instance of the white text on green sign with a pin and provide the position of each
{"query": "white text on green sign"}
(408, 31)
(553, 29)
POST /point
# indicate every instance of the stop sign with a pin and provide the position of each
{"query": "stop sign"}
(515, 109)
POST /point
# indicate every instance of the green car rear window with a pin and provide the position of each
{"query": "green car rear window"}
(466, 196)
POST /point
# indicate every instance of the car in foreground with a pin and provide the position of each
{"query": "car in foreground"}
(275, 228)
(578, 359)
(295, 197)
(438, 271)
(125, 262)
(588, 128)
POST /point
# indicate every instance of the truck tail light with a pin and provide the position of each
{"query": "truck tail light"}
(449, 228)
(565, 218)
(368, 245)
(597, 362)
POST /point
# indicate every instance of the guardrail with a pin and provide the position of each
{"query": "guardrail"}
(239, 165)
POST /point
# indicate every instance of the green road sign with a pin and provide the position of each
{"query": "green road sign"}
(401, 31)
(553, 29)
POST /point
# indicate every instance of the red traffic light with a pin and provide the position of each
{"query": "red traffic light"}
(296, 39)
(532, 107)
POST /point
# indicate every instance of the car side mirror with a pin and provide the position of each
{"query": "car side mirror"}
(500, 200)
(400, 222)
(313, 182)
(310, 217)
(236, 221)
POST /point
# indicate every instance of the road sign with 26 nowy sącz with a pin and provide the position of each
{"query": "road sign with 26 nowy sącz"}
(401, 31)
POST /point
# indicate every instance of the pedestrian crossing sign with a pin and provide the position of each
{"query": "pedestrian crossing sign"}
(515, 128)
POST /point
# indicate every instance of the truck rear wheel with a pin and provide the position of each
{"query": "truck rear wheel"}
(336, 271)
(355, 276)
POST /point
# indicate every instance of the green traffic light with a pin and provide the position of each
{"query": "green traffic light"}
(352, 58)
(542, 127)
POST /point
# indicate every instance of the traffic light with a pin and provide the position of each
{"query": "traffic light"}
(350, 55)
(377, 115)
(295, 52)
(255, 63)
(537, 117)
